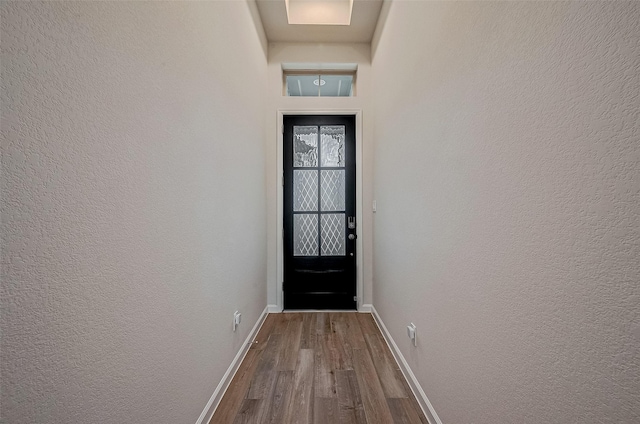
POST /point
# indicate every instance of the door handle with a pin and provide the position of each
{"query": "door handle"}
(352, 237)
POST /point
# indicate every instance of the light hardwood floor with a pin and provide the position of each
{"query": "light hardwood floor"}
(320, 368)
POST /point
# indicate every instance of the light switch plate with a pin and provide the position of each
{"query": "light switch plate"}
(237, 318)
(411, 332)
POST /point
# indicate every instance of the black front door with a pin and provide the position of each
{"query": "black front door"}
(319, 212)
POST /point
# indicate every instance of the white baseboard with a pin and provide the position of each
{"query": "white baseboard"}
(366, 308)
(274, 309)
(420, 395)
(214, 401)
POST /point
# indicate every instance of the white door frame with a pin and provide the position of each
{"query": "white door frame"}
(280, 215)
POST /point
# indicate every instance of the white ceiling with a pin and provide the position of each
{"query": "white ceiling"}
(364, 18)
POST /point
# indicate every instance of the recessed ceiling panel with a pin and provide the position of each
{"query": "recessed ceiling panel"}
(364, 18)
(319, 12)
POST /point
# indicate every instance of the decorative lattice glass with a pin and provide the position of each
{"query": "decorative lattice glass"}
(305, 235)
(332, 139)
(332, 233)
(305, 146)
(332, 190)
(305, 190)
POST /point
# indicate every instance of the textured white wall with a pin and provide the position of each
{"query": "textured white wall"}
(133, 218)
(359, 53)
(507, 176)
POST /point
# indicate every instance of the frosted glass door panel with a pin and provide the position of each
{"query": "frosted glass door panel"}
(305, 146)
(305, 235)
(332, 139)
(305, 190)
(332, 190)
(333, 234)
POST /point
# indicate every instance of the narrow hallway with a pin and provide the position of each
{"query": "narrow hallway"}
(318, 367)
(497, 209)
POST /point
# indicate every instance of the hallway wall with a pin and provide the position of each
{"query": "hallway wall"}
(133, 212)
(507, 180)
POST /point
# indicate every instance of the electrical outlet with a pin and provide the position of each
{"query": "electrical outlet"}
(237, 318)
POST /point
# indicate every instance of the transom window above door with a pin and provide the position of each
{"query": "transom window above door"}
(325, 80)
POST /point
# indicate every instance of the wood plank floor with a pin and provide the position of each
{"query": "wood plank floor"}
(319, 368)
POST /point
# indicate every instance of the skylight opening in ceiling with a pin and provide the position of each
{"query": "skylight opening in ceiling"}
(319, 12)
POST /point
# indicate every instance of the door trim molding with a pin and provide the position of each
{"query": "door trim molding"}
(274, 309)
(280, 197)
(366, 308)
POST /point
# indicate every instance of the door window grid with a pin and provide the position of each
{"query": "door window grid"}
(329, 185)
